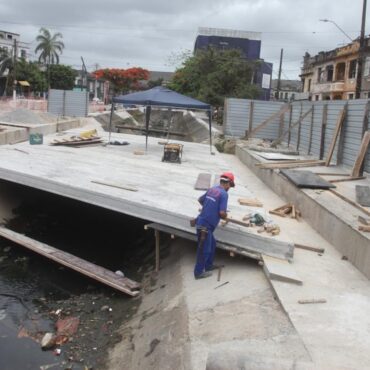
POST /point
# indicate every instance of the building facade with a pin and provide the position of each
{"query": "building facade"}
(249, 43)
(332, 75)
(9, 40)
(289, 90)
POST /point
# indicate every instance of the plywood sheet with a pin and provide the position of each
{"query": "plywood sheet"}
(203, 181)
(307, 179)
(277, 156)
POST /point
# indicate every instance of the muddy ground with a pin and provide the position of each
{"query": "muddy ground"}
(35, 293)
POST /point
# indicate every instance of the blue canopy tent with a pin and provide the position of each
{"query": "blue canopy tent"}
(160, 97)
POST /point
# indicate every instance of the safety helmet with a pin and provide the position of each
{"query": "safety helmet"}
(228, 176)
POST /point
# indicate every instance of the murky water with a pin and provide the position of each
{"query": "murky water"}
(35, 292)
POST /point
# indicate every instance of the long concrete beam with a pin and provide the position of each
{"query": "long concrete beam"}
(231, 236)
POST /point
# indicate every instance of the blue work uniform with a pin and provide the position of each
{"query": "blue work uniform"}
(213, 202)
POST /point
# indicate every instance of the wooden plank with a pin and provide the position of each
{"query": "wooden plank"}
(365, 127)
(338, 127)
(364, 228)
(278, 269)
(290, 123)
(292, 165)
(311, 129)
(348, 179)
(203, 181)
(361, 154)
(351, 202)
(340, 146)
(309, 248)
(279, 139)
(331, 174)
(118, 186)
(250, 123)
(275, 115)
(323, 130)
(75, 263)
(365, 221)
(250, 202)
(286, 161)
(157, 131)
(299, 128)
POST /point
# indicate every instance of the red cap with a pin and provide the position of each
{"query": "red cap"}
(228, 176)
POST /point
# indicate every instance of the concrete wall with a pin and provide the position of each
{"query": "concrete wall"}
(330, 219)
(305, 137)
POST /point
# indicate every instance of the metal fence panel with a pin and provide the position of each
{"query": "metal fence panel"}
(68, 103)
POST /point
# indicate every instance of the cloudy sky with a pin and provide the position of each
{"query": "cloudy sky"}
(147, 33)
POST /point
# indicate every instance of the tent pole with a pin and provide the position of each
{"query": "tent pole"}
(110, 121)
(148, 109)
(210, 130)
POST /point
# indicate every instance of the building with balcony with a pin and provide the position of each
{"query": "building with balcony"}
(9, 40)
(332, 75)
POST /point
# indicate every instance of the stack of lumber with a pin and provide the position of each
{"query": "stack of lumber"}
(250, 202)
(84, 138)
(365, 224)
(288, 209)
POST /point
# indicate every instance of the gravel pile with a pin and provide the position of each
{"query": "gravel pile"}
(27, 116)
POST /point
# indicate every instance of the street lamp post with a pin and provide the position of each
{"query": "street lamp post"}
(340, 29)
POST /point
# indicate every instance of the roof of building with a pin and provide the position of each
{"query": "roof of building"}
(293, 85)
(155, 75)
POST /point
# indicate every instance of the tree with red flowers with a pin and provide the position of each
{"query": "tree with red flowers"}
(123, 80)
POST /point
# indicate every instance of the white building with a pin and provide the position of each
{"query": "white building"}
(9, 39)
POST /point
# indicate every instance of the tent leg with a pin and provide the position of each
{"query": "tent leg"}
(110, 122)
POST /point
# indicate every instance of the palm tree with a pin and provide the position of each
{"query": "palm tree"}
(6, 65)
(49, 47)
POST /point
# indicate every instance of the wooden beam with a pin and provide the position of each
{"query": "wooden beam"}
(278, 140)
(348, 179)
(351, 202)
(311, 129)
(323, 130)
(290, 122)
(299, 128)
(340, 146)
(361, 154)
(275, 115)
(86, 268)
(289, 161)
(338, 127)
(365, 127)
(292, 165)
(157, 246)
(309, 248)
(250, 122)
(331, 174)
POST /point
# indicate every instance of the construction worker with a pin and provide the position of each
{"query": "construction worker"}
(214, 207)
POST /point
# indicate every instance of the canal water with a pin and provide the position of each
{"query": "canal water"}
(35, 293)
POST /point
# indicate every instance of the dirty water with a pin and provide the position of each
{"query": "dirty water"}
(35, 293)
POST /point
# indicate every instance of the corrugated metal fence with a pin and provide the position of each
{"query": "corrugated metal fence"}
(68, 103)
(313, 134)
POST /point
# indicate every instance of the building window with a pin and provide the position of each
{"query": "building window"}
(367, 67)
(292, 96)
(23, 54)
(351, 96)
(352, 68)
(309, 85)
(368, 95)
(286, 95)
(317, 97)
(340, 70)
(9, 37)
(329, 73)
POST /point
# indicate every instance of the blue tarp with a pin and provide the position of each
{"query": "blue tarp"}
(162, 97)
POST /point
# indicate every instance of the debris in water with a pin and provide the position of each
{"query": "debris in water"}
(57, 352)
(2, 314)
(67, 326)
(48, 341)
(120, 273)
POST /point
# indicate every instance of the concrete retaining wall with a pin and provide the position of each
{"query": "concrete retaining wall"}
(324, 215)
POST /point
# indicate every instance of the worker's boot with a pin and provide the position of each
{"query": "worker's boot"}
(203, 275)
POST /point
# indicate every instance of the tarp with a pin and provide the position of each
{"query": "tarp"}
(24, 83)
(160, 96)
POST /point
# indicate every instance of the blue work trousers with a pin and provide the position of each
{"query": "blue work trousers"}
(205, 251)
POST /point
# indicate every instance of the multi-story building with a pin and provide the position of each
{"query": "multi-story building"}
(332, 75)
(289, 89)
(9, 40)
(249, 43)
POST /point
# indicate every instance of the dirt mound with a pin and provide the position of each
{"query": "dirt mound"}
(27, 116)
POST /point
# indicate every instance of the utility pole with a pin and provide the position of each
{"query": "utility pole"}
(361, 53)
(279, 77)
(15, 70)
(96, 82)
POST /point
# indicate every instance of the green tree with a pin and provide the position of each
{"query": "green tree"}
(211, 75)
(30, 71)
(49, 46)
(62, 77)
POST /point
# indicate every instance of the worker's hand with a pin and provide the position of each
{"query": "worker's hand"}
(223, 215)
